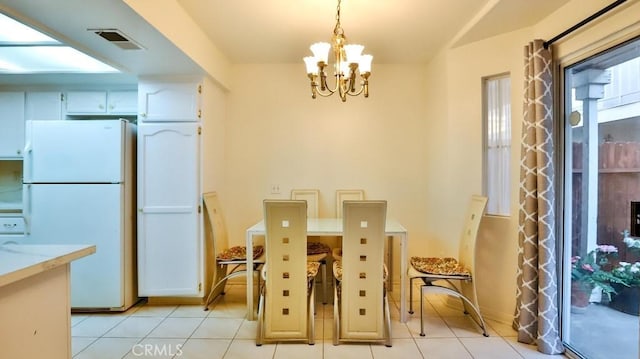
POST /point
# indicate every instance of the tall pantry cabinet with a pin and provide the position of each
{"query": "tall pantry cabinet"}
(169, 189)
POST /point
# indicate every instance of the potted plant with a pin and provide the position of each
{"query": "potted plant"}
(627, 298)
(587, 274)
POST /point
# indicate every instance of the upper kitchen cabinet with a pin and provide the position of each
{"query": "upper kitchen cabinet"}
(169, 102)
(102, 103)
(11, 124)
(44, 106)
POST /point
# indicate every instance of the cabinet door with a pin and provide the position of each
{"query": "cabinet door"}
(44, 106)
(11, 124)
(123, 102)
(169, 244)
(86, 102)
(172, 102)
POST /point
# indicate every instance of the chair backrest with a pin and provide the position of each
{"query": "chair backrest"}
(311, 196)
(347, 195)
(467, 250)
(286, 269)
(214, 223)
(362, 309)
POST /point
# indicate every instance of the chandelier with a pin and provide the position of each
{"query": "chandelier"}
(348, 60)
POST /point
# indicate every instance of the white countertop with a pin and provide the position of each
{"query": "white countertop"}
(19, 261)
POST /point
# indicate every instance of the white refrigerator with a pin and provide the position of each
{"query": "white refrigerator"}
(79, 189)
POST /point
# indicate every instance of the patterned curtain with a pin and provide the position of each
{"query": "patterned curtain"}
(536, 314)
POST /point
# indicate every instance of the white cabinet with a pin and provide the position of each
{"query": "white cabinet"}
(169, 238)
(122, 102)
(43, 106)
(86, 102)
(11, 124)
(101, 102)
(169, 102)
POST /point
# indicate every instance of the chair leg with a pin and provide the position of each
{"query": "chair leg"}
(421, 311)
(477, 311)
(411, 295)
(259, 334)
(387, 320)
(336, 313)
(311, 332)
(215, 283)
(323, 266)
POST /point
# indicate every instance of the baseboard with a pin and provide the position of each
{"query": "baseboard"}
(175, 300)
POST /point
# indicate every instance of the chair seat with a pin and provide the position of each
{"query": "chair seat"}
(239, 253)
(312, 269)
(317, 251)
(439, 266)
(337, 270)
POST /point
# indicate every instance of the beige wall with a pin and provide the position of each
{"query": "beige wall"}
(277, 134)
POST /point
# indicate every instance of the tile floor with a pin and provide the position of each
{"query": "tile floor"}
(185, 331)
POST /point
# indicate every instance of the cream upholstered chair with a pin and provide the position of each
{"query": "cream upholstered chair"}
(361, 306)
(286, 305)
(227, 262)
(449, 270)
(316, 251)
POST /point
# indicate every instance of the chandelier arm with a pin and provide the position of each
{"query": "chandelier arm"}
(353, 93)
(325, 94)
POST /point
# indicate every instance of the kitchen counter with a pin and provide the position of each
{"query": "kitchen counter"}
(35, 302)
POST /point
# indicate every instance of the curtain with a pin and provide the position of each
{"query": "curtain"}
(536, 315)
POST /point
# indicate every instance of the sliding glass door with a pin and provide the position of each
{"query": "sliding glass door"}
(601, 245)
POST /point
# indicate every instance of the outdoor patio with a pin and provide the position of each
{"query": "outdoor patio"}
(605, 333)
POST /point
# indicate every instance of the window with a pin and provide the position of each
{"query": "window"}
(497, 143)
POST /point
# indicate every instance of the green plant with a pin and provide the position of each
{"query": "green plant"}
(629, 273)
(633, 244)
(589, 273)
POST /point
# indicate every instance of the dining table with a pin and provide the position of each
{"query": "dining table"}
(331, 227)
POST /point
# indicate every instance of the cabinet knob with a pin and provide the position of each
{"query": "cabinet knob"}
(101, 107)
(143, 114)
(18, 152)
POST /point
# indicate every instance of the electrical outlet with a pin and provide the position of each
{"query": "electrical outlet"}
(275, 189)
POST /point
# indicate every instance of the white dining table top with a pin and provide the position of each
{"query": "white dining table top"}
(330, 227)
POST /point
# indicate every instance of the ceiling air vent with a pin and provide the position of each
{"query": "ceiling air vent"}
(117, 38)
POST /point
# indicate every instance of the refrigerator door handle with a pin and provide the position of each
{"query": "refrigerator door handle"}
(28, 160)
(26, 213)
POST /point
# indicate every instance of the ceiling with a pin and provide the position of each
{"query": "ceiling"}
(278, 31)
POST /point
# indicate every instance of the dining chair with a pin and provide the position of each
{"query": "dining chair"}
(286, 304)
(435, 272)
(347, 195)
(358, 195)
(316, 250)
(226, 262)
(361, 305)
(341, 196)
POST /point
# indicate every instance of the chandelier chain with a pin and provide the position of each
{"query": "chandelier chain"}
(338, 28)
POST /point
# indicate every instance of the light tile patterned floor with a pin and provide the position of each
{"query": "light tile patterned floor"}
(183, 331)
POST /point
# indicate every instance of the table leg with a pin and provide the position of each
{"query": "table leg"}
(403, 277)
